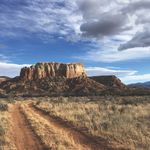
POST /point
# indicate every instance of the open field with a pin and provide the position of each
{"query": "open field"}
(124, 120)
(79, 123)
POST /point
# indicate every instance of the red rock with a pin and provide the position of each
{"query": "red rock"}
(42, 70)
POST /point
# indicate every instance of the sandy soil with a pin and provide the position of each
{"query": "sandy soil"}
(23, 136)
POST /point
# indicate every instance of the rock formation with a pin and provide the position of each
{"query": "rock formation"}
(52, 79)
(57, 79)
(42, 70)
(110, 81)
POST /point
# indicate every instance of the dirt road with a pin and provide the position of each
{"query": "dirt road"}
(23, 136)
(82, 140)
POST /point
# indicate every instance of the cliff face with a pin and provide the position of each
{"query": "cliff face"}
(42, 70)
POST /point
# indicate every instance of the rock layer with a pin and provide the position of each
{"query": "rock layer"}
(42, 70)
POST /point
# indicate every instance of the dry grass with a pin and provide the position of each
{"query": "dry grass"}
(122, 119)
(5, 126)
(51, 136)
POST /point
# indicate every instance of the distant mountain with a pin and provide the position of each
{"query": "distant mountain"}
(140, 85)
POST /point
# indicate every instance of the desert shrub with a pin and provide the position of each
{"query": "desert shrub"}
(3, 125)
(2, 131)
(38, 102)
(3, 107)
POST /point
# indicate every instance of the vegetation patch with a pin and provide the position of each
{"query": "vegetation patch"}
(124, 120)
(5, 126)
(3, 107)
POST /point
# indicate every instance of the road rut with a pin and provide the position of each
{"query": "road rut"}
(22, 134)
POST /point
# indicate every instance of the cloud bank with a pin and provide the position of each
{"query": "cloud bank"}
(79, 19)
(42, 18)
(10, 70)
(99, 71)
(136, 78)
(117, 18)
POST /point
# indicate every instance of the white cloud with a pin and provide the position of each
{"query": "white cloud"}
(111, 24)
(136, 78)
(48, 17)
(99, 71)
(124, 21)
(9, 69)
(65, 18)
(110, 53)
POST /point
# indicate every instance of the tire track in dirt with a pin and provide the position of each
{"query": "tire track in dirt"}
(22, 134)
(80, 138)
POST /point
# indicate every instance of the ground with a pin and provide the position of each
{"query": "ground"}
(75, 123)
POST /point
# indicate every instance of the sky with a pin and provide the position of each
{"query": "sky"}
(110, 37)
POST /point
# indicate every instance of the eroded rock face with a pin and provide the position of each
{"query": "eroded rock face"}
(42, 70)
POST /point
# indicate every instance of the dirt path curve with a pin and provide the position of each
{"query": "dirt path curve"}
(22, 134)
(79, 138)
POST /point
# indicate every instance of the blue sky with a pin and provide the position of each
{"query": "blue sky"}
(108, 37)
